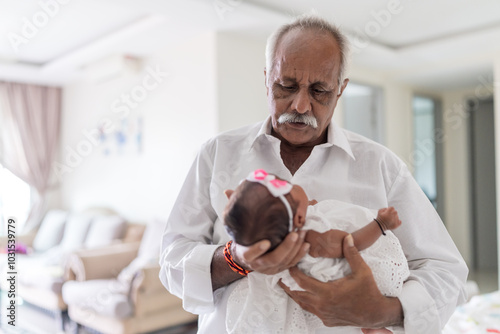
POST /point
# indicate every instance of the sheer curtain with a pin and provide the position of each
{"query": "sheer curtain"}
(29, 135)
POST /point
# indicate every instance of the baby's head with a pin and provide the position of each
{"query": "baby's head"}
(257, 209)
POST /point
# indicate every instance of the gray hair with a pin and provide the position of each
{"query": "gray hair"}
(303, 22)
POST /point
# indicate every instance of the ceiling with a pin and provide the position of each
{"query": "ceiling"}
(440, 44)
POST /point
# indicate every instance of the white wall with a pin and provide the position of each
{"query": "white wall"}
(241, 92)
(456, 169)
(215, 83)
(179, 114)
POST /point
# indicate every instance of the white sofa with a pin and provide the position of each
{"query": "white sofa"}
(41, 272)
(118, 291)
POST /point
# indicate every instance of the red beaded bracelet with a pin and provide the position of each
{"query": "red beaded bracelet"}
(229, 259)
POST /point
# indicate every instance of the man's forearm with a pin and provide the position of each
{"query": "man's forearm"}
(220, 271)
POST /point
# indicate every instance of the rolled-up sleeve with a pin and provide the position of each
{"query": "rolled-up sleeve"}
(187, 249)
(437, 270)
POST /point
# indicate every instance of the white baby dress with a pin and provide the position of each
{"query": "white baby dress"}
(258, 304)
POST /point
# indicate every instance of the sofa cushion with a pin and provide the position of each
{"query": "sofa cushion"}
(104, 229)
(149, 251)
(75, 232)
(44, 277)
(106, 297)
(51, 230)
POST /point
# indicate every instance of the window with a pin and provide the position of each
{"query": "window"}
(15, 200)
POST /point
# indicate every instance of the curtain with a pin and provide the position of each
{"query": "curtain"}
(29, 136)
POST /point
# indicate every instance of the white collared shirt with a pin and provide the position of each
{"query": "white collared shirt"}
(348, 167)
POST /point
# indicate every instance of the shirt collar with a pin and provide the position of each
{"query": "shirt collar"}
(335, 136)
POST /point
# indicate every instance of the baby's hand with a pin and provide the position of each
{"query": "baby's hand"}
(313, 202)
(389, 219)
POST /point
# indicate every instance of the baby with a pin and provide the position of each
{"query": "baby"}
(265, 207)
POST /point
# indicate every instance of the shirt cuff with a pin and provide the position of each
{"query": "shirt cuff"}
(197, 286)
(420, 312)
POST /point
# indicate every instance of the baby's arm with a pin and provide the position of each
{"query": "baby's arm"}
(329, 243)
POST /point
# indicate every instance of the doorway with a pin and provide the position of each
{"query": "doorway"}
(483, 191)
(363, 110)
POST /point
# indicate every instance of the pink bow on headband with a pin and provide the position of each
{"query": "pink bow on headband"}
(275, 186)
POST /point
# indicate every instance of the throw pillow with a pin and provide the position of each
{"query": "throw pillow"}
(104, 229)
(51, 230)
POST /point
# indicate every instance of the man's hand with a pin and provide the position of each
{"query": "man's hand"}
(350, 301)
(286, 255)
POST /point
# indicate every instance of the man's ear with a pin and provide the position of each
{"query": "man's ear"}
(265, 81)
(344, 85)
(228, 193)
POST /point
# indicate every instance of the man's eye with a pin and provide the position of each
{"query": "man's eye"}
(318, 91)
(288, 87)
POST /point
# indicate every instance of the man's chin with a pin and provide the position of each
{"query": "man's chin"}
(297, 140)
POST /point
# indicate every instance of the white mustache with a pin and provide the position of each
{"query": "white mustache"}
(298, 118)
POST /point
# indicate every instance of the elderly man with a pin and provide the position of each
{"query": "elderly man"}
(300, 142)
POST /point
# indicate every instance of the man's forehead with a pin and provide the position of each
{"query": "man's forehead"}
(302, 54)
(293, 72)
(289, 71)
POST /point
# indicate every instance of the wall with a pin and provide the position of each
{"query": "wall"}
(399, 138)
(241, 91)
(496, 92)
(456, 167)
(456, 160)
(398, 134)
(179, 113)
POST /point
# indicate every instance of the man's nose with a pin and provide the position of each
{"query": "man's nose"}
(302, 102)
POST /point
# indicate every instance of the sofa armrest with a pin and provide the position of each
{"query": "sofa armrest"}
(148, 293)
(147, 281)
(100, 263)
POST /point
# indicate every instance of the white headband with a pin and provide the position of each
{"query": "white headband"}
(277, 188)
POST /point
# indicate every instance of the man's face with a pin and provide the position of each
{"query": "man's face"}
(304, 81)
